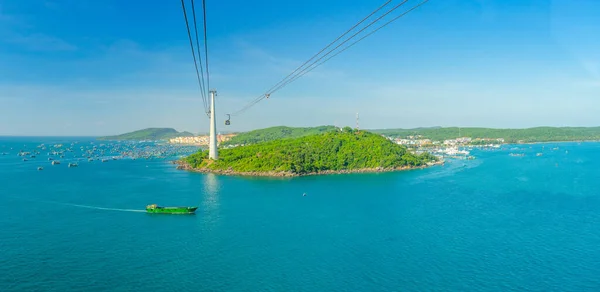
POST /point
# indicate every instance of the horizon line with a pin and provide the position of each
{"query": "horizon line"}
(233, 132)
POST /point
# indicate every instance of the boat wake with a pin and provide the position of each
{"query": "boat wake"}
(78, 205)
(102, 208)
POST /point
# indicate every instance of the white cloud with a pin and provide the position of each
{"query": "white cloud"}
(40, 42)
(592, 67)
(4, 17)
(51, 5)
(95, 111)
(10, 23)
(261, 55)
(588, 83)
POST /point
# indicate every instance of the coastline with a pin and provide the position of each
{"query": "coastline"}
(182, 165)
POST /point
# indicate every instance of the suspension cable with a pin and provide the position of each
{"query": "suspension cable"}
(206, 46)
(338, 46)
(312, 66)
(204, 89)
(194, 55)
(354, 43)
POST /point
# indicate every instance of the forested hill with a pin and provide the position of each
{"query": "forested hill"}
(149, 134)
(275, 133)
(539, 134)
(335, 151)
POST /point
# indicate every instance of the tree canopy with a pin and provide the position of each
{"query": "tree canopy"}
(275, 133)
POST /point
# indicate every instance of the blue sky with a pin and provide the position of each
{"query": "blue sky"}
(79, 67)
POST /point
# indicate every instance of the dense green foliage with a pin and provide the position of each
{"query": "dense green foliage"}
(539, 134)
(330, 151)
(275, 133)
(149, 134)
(484, 142)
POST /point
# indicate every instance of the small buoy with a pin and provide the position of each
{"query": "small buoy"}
(304, 195)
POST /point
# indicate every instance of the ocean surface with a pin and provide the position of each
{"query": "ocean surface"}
(496, 223)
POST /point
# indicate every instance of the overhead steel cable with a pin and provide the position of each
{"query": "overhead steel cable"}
(313, 66)
(330, 44)
(354, 43)
(203, 88)
(250, 104)
(337, 47)
(308, 68)
(259, 98)
(194, 55)
(247, 106)
(206, 45)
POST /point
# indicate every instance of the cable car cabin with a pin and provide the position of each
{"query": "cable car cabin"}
(227, 122)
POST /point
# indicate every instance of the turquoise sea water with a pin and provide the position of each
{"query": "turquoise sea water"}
(497, 223)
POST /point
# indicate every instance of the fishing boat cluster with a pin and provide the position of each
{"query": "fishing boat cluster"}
(453, 152)
(74, 153)
(539, 154)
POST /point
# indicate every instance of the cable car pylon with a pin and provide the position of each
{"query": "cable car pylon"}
(213, 152)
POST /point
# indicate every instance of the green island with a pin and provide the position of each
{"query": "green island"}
(342, 151)
(149, 134)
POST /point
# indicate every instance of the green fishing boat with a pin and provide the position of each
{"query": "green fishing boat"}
(170, 210)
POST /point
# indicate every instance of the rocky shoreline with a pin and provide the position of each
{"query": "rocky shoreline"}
(185, 166)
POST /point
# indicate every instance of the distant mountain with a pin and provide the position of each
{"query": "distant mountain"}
(149, 134)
